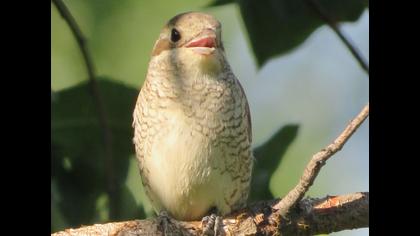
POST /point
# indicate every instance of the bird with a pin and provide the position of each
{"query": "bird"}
(192, 123)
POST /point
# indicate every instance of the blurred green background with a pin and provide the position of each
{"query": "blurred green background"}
(305, 96)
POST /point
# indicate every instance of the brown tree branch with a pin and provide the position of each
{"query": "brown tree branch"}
(313, 216)
(315, 164)
(322, 14)
(97, 99)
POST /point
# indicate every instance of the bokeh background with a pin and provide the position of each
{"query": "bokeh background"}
(318, 86)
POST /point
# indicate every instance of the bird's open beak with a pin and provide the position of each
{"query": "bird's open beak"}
(205, 43)
(208, 42)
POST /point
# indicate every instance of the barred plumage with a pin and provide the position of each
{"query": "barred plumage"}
(192, 126)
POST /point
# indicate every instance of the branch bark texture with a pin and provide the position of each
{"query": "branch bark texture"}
(311, 216)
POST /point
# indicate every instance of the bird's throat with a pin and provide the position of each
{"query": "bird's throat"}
(210, 65)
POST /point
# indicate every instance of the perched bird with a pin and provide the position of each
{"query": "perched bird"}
(192, 123)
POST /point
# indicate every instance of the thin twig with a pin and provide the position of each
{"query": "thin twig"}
(315, 164)
(97, 98)
(320, 11)
(81, 40)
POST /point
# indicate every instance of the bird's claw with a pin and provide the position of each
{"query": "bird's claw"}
(164, 220)
(212, 225)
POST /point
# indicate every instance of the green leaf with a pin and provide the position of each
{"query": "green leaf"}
(268, 157)
(79, 168)
(276, 27)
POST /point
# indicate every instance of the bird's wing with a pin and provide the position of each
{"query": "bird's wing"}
(247, 111)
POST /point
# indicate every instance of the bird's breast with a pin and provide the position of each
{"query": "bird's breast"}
(184, 164)
(186, 116)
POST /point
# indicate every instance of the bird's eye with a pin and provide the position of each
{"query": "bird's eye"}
(175, 35)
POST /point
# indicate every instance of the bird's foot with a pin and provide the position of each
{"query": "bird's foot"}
(164, 220)
(212, 225)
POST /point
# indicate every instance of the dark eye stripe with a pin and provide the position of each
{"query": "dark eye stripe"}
(175, 35)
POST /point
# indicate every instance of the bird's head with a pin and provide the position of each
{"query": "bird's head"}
(196, 32)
